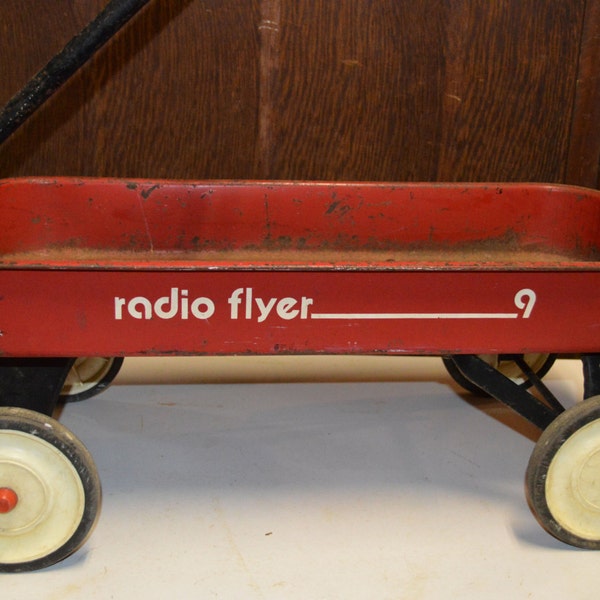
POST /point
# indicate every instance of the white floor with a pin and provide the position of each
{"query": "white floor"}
(318, 485)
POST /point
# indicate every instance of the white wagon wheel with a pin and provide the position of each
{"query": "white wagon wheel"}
(90, 376)
(49, 491)
(563, 476)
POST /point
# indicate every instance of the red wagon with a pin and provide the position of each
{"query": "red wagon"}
(497, 279)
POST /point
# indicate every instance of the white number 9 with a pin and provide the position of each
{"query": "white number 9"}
(525, 299)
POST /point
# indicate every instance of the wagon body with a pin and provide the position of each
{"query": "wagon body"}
(111, 267)
(100, 269)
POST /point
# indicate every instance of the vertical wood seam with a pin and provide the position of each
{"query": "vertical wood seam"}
(583, 158)
(269, 32)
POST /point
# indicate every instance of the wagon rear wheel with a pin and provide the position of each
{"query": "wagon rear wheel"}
(89, 376)
(563, 476)
(49, 491)
(539, 363)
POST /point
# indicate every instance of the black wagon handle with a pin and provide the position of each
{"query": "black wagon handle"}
(62, 66)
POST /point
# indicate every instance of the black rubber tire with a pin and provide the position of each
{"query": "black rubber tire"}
(44, 433)
(470, 387)
(576, 431)
(113, 368)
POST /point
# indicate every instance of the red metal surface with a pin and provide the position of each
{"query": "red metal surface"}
(96, 267)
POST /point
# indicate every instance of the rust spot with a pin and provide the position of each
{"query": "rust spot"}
(146, 193)
(332, 207)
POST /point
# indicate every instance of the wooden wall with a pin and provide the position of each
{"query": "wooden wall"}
(396, 90)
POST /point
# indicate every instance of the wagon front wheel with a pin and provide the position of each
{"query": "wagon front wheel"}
(49, 491)
(563, 482)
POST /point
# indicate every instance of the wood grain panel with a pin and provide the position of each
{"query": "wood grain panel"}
(583, 166)
(359, 91)
(352, 90)
(32, 32)
(510, 78)
(173, 95)
(428, 90)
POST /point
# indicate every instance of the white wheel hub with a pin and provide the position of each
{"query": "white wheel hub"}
(511, 369)
(44, 498)
(85, 374)
(573, 483)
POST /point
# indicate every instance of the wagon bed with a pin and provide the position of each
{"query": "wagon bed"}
(412, 268)
(74, 223)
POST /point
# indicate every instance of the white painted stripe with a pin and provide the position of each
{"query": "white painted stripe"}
(354, 316)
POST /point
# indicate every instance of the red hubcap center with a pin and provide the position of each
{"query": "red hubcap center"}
(8, 500)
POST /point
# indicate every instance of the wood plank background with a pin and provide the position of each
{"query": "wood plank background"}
(429, 90)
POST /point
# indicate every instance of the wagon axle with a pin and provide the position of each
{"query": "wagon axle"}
(8, 500)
